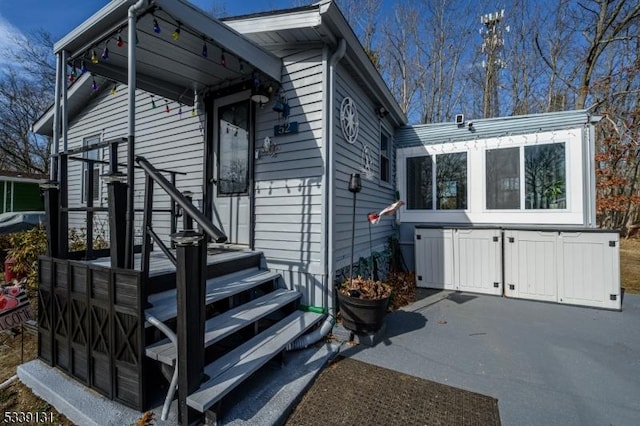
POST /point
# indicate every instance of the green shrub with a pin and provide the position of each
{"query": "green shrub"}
(25, 248)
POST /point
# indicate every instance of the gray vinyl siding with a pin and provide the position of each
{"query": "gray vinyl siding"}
(375, 195)
(168, 140)
(289, 186)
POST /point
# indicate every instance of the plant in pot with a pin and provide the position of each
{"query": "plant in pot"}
(364, 301)
(363, 304)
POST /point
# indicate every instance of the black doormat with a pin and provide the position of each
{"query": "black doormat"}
(350, 392)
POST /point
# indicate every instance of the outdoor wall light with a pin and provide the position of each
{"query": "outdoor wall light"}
(355, 184)
(382, 112)
(260, 95)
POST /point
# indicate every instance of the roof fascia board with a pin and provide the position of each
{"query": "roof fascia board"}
(225, 36)
(289, 21)
(45, 123)
(112, 7)
(361, 61)
(20, 179)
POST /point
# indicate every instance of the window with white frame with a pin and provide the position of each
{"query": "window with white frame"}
(503, 178)
(93, 168)
(543, 173)
(385, 157)
(545, 176)
(449, 174)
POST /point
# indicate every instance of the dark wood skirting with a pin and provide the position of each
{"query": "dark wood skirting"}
(91, 326)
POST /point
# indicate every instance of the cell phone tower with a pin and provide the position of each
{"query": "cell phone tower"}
(492, 45)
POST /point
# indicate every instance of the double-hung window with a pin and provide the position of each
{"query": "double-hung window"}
(385, 157)
(89, 167)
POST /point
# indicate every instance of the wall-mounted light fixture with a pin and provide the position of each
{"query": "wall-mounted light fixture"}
(460, 119)
(260, 95)
(381, 112)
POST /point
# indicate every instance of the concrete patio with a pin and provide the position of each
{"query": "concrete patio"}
(547, 364)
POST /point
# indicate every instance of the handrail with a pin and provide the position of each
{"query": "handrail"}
(188, 207)
(87, 160)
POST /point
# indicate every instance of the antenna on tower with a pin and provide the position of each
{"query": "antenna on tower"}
(492, 45)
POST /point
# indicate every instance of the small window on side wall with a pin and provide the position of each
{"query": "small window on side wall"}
(89, 167)
(385, 156)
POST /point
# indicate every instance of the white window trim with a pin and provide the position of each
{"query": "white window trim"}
(476, 212)
(385, 183)
(97, 198)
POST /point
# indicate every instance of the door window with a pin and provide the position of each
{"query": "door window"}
(233, 149)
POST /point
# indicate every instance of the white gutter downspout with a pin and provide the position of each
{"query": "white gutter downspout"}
(131, 82)
(65, 103)
(55, 148)
(327, 325)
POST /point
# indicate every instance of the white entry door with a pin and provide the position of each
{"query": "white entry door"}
(233, 171)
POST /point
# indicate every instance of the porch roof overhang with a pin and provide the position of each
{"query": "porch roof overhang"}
(171, 68)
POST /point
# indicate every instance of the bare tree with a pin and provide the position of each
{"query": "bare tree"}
(26, 91)
(446, 57)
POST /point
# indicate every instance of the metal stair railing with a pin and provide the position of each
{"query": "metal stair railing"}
(191, 266)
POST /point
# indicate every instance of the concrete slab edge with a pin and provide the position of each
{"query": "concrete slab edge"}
(427, 301)
(77, 402)
(307, 381)
(35, 374)
(292, 382)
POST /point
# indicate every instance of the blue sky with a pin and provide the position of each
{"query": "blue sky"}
(58, 17)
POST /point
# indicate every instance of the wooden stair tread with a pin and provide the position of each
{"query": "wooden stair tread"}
(164, 305)
(231, 369)
(225, 324)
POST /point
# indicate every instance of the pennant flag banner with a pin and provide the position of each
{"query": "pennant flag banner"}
(387, 211)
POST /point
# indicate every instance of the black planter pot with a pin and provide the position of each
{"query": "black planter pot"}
(362, 315)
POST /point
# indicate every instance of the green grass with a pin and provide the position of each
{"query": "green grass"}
(630, 265)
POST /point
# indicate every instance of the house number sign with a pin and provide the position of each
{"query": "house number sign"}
(349, 119)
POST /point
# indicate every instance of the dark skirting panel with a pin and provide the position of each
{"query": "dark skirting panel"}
(91, 326)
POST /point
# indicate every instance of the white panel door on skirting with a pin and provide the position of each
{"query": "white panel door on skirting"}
(530, 265)
(478, 260)
(233, 171)
(590, 269)
(434, 258)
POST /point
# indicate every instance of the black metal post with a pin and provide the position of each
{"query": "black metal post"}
(190, 280)
(187, 221)
(63, 205)
(146, 225)
(355, 185)
(117, 199)
(51, 194)
(89, 214)
(130, 217)
(174, 212)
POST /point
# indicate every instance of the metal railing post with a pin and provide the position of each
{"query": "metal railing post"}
(51, 194)
(187, 221)
(63, 205)
(117, 200)
(89, 213)
(190, 282)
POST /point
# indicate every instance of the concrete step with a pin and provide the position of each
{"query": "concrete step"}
(229, 322)
(234, 367)
(164, 305)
